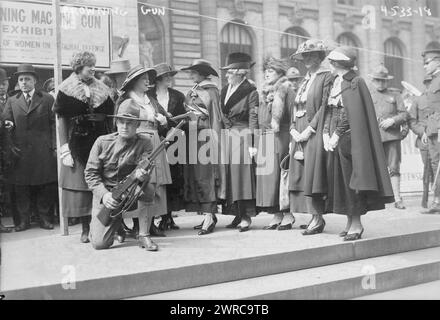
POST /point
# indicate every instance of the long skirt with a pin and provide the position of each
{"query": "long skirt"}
(341, 198)
(76, 203)
(268, 169)
(240, 172)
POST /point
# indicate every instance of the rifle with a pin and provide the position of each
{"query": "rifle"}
(125, 191)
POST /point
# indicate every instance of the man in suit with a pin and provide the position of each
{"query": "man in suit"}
(33, 175)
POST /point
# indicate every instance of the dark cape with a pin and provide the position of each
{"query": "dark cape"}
(370, 176)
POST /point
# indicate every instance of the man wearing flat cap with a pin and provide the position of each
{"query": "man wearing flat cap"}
(432, 68)
(392, 116)
(34, 174)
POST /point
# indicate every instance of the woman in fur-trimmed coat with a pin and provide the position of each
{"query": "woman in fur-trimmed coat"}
(272, 140)
(82, 105)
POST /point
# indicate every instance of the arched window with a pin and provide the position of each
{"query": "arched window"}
(151, 39)
(433, 45)
(393, 62)
(290, 43)
(349, 39)
(235, 38)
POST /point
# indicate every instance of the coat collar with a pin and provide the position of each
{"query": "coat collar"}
(36, 101)
(242, 91)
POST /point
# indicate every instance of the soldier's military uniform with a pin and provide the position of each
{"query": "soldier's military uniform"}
(389, 104)
(433, 129)
(418, 115)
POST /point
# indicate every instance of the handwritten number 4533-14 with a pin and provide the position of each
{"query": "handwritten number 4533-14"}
(405, 11)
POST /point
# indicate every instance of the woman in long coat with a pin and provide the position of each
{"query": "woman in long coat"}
(172, 101)
(203, 181)
(273, 141)
(239, 102)
(82, 105)
(359, 180)
(135, 87)
(304, 123)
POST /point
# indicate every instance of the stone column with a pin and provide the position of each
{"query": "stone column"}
(418, 43)
(326, 20)
(209, 34)
(271, 40)
(375, 57)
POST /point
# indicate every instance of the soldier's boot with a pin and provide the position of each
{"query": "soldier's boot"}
(395, 183)
(24, 223)
(85, 221)
(425, 195)
(4, 229)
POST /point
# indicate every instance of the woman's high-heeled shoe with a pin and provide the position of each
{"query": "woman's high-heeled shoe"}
(234, 224)
(147, 243)
(343, 233)
(315, 230)
(272, 226)
(354, 236)
(210, 228)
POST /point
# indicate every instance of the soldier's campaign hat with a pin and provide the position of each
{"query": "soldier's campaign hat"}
(381, 73)
(311, 45)
(3, 75)
(119, 66)
(202, 66)
(129, 110)
(136, 72)
(344, 55)
(238, 60)
(25, 68)
(293, 73)
(49, 85)
(164, 69)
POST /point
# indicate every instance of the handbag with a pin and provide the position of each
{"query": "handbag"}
(299, 152)
(284, 184)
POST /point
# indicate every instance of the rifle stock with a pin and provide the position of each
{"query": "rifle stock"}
(105, 214)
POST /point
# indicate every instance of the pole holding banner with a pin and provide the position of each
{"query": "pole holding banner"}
(58, 78)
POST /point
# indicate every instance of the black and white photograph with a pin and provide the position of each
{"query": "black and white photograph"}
(201, 152)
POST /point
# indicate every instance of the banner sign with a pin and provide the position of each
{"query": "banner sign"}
(27, 34)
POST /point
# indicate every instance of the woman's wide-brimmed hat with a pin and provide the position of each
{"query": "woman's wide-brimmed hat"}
(119, 66)
(311, 45)
(49, 85)
(239, 60)
(136, 72)
(344, 55)
(164, 69)
(129, 110)
(381, 73)
(202, 66)
(3, 75)
(25, 68)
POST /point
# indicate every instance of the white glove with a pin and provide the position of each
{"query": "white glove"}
(333, 142)
(161, 118)
(295, 135)
(305, 135)
(326, 139)
(290, 147)
(66, 157)
(9, 124)
(275, 125)
(252, 152)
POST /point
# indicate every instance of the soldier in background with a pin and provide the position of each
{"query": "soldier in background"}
(418, 115)
(294, 77)
(432, 67)
(392, 116)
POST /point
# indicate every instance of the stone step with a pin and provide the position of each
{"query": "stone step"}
(338, 281)
(424, 291)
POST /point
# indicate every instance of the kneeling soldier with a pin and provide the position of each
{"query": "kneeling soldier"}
(112, 158)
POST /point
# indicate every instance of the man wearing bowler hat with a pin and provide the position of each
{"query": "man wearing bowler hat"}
(431, 62)
(33, 175)
(391, 115)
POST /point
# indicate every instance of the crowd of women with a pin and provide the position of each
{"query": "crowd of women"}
(319, 131)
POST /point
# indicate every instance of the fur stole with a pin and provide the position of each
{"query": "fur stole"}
(274, 96)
